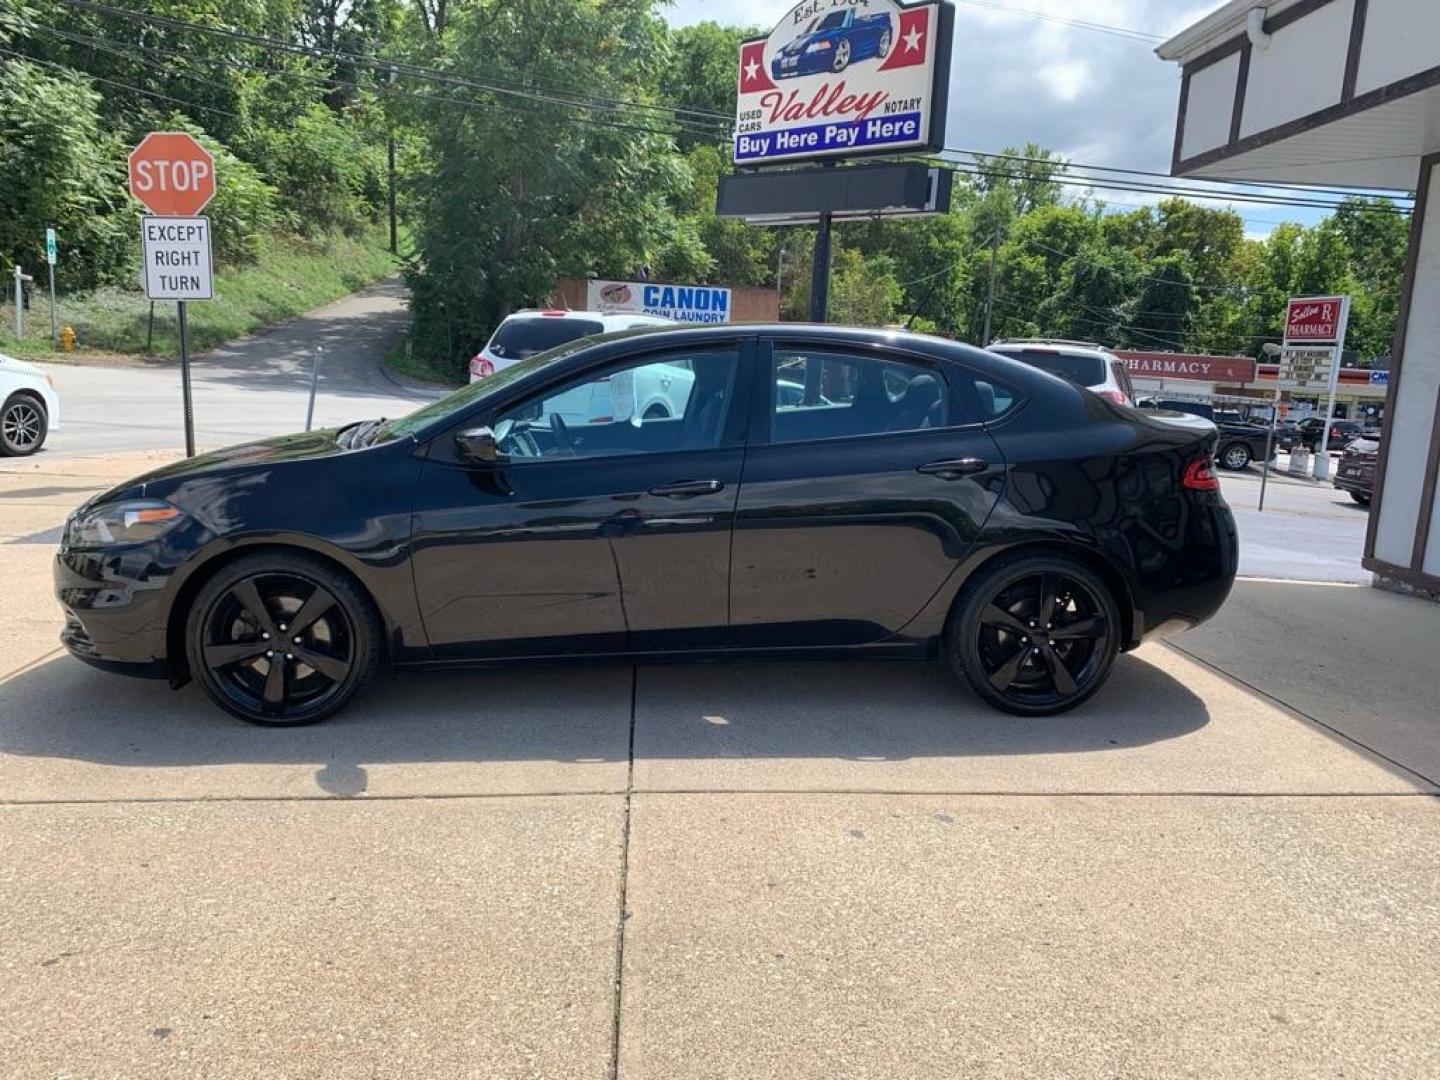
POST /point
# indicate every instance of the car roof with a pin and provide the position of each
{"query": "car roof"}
(1068, 348)
(602, 317)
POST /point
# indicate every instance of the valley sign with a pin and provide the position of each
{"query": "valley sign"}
(844, 78)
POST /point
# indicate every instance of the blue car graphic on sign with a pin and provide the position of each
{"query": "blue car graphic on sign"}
(832, 43)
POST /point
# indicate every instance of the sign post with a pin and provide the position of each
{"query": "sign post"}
(174, 176)
(1316, 320)
(51, 251)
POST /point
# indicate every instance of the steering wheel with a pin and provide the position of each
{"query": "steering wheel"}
(562, 434)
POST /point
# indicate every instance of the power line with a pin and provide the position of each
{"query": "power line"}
(333, 83)
(495, 86)
(123, 86)
(1176, 192)
(1079, 24)
(1064, 165)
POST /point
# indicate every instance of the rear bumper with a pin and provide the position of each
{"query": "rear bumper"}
(1197, 580)
(1364, 485)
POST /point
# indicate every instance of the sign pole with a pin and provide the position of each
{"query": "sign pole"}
(185, 380)
(1269, 448)
(314, 382)
(50, 253)
(820, 277)
(19, 304)
(1322, 459)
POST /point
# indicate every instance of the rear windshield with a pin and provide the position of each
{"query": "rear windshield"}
(1080, 370)
(518, 338)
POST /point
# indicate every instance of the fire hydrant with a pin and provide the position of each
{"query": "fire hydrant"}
(67, 339)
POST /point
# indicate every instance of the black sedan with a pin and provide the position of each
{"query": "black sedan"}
(917, 499)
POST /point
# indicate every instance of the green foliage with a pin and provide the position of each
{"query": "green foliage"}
(60, 167)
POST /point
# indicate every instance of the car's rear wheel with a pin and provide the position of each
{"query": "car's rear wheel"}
(1235, 457)
(842, 57)
(1034, 636)
(23, 425)
(282, 639)
(1363, 500)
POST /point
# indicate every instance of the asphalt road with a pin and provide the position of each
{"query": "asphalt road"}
(252, 388)
(1309, 531)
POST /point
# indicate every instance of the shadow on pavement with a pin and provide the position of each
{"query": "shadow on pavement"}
(581, 714)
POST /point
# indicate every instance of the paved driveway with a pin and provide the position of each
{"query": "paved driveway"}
(721, 871)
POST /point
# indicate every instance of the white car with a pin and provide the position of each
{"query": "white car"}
(1091, 366)
(528, 332)
(29, 407)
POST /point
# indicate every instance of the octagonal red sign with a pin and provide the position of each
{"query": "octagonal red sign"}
(172, 174)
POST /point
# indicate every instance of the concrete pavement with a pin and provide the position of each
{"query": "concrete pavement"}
(723, 870)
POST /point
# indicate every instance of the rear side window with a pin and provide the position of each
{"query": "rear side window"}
(1079, 369)
(1121, 371)
(832, 395)
(518, 338)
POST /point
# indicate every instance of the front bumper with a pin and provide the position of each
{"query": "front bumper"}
(787, 67)
(114, 605)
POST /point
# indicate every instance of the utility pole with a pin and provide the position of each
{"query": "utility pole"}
(990, 297)
(390, 165)
(820, 279)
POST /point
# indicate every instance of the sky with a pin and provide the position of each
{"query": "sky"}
(1096, 98)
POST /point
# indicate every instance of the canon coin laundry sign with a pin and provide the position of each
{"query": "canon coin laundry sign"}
(842, 78)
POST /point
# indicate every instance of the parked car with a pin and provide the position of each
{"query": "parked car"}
(1241, 441)
(528, 332)
(1091, 366)
(1288, 435)
(834, 41)
(1341, 433)
(940, 502)
(1356, 473)
(29, 407)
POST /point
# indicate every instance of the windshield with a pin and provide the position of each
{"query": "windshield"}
(1080, 370)
(446, 407)
(834, 21)
(518, 338)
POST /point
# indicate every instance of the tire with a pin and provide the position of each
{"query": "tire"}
(23, 425)
(227, 642)
(884, 47)
(1363, 500)
(1236, 457)
(842, 57)
(990, 633)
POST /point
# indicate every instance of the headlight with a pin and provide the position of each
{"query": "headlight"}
(132, 521)
(818, 46)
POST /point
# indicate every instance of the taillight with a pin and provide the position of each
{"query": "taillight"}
(481, 367)
(1115, 396)
(1334, 433)
(1200, 476)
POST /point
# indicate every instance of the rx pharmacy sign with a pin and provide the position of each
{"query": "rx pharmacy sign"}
(844, 78)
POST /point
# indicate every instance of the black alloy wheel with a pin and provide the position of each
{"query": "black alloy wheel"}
(282, 640)
(23, 426)
(1235, 457)
(1035, 636)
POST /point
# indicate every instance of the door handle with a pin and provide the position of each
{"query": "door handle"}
(954, 470)
(687, 489)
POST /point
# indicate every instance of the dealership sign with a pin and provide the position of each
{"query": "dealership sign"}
(683, 303)
(1313, 318)
(1227, 370)
(842, 78)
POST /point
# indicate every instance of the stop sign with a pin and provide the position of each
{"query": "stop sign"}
(172, 174)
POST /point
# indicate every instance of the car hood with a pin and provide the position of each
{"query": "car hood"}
(160, 483)
(9, 363)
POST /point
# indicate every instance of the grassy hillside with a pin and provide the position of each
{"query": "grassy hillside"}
(291, 276)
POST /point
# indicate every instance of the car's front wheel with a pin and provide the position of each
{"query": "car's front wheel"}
(842, 57)
(1035, 635)
(23, 425)
(282, 639)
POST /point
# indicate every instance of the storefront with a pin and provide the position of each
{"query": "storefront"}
(1341, 93)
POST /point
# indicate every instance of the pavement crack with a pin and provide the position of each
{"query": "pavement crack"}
(623, 915)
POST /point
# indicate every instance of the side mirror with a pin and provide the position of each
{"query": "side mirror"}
(479, 446)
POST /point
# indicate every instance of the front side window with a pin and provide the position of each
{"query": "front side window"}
(821, 394)
(658, 404)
